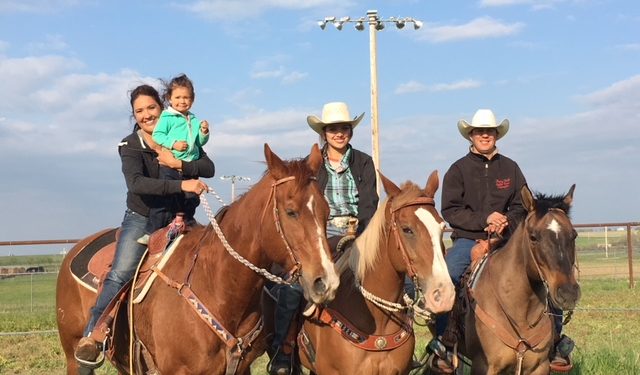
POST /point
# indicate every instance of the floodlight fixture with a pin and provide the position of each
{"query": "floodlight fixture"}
(400, 24)
(322, 24)
(359, 25)
(379, 25)
(338, 25)
(417, 24)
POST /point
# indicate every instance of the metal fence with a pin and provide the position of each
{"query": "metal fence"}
(603, 251)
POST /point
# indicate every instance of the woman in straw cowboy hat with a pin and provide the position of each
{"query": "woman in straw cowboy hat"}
(348, 181)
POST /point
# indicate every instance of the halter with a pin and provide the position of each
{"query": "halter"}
(294, 273)
(394, 225)
(395, 306)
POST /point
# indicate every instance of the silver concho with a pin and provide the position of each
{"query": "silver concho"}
(381, 343)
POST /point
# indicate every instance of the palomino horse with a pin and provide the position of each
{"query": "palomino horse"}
(282, 220)
(507, 326)
(367, 328)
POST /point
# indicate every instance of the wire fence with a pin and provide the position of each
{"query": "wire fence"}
(28, 282)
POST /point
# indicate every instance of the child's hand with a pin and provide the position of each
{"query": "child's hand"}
(180, 145)
(204, 127)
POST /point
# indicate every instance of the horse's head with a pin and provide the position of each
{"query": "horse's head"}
(551, 240)
(417, 232)
(299, 212)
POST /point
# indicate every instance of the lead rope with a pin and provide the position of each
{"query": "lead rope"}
(260, 271)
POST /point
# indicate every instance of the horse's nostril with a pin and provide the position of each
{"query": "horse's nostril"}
(319, 286)
(437, 295)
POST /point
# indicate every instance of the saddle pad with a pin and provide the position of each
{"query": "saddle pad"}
(79, 265)
(146, 276)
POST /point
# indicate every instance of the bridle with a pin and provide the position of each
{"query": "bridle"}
(292, 275)
(411, 272)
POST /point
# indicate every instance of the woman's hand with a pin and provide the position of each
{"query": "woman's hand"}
(194, 186)
(166, 158)
(180, 146)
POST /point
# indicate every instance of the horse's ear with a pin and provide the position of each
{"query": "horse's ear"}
(389, 187)
(432, 184)
(274, 163)
(527, 199)
(315, 159)
(568, 199)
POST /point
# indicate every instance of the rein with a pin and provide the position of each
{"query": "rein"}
(534, 334)
(237, 346)
(294, 273)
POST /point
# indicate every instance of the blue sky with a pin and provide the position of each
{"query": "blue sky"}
(565, 73)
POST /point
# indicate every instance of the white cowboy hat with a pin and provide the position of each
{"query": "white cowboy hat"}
(484, 118)
(333, 113)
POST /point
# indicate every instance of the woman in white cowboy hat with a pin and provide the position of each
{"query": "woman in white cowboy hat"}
(348, 181)
(480, 195)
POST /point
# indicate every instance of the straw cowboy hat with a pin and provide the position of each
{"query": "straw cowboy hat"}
(484, 118)
(333, 113)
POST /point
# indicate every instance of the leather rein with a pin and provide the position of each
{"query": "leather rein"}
(517, 338)
(237, 346)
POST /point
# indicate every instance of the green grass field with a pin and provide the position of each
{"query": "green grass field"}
(606, 325)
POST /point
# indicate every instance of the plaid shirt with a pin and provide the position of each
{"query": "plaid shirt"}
(341, 191)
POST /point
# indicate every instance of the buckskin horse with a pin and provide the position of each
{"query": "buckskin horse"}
(203, 313)
(507, 325)
(367, 328)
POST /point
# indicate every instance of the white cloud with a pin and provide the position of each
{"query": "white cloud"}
(410, 87)
(413, 86)
(54, 43)
(36, 6)
(273, 67)
(629, 47)
(293, 77)
(52, 108)
(479, 28)
(535, 4)
(225, 9)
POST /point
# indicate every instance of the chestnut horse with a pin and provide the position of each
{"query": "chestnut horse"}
(281, 220)
(367, 328)
(508, 328)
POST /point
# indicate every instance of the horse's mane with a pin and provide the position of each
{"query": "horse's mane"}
(545, 202)
(366, 247)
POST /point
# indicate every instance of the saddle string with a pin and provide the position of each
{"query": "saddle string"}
(260, 271)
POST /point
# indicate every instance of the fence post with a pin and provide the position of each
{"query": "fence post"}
(630, 256)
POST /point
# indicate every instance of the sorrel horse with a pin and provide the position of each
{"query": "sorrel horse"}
(281, 220)
(367, 328)
(508, 328)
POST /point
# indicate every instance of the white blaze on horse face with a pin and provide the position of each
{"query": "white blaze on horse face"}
(554, 226)
(439, 266)
(326, 262)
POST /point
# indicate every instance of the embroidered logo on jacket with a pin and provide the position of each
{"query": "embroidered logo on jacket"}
(503, 184)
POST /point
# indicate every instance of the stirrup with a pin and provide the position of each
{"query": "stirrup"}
(440, 359)
(92, 365)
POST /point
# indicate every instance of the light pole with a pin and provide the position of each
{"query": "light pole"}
(233, 179)
(375, 24)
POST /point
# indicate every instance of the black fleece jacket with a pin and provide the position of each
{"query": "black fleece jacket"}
(474, 187)
(140, 168)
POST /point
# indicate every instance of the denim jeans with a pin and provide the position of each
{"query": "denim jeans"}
(127, 256)
(458, 260)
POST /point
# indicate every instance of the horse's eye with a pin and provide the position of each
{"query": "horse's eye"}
(533, 237)
(407, 230)
(292, 213)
